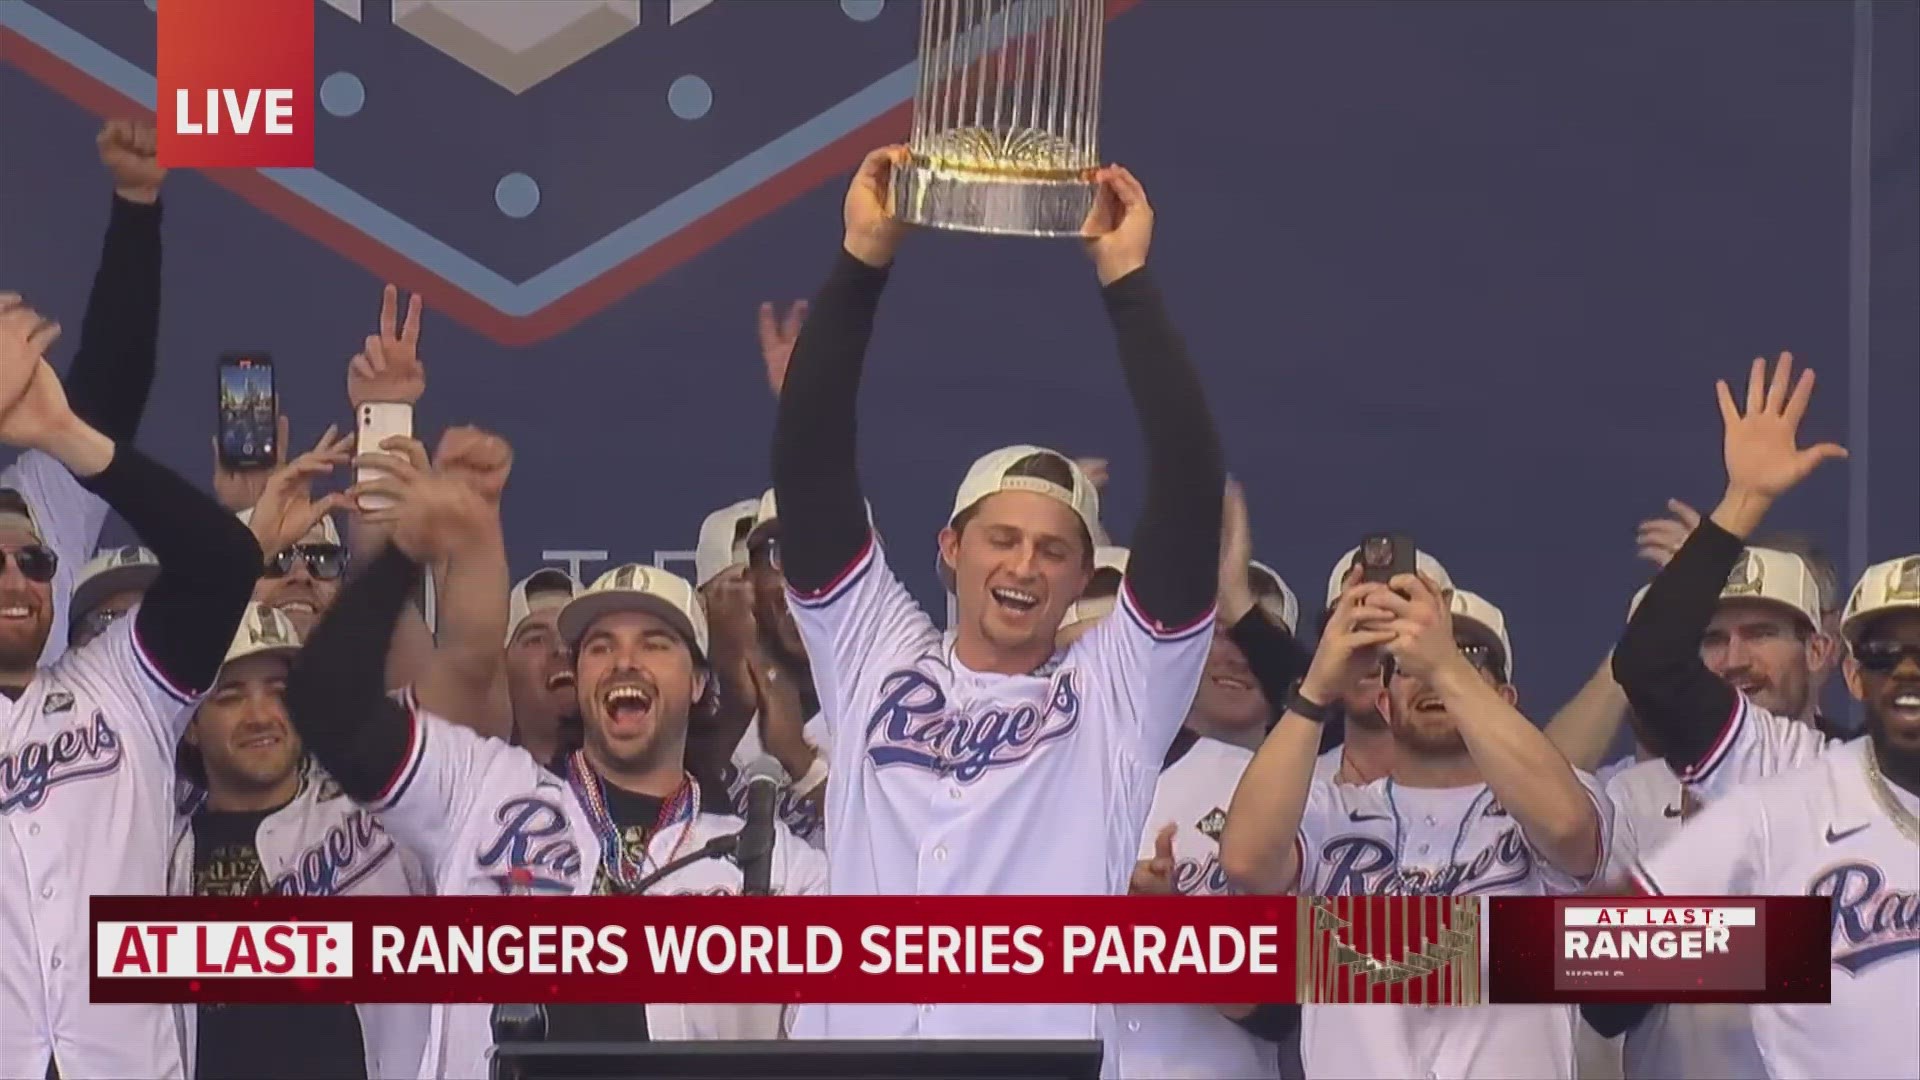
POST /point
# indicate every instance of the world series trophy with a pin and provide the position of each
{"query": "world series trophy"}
(1006, 117)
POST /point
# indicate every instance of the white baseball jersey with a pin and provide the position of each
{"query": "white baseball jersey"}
(1611, 769)
(1159, 1042)
(1649, 803)
(803, 816)
(69, 518)
(488, 819)
(1384, 838)
(1327, 765)
(86, 800)
(947, 781)
(324, 844)
(1819, 831)
(1752, 744)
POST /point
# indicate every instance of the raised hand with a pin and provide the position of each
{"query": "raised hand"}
(1422, 625)
(873, 234)
(33, 405)
(429, 514)
(1236, 554)
(480, 458)
(240, 489)
(777, 335)
(127, 149)
(1763, 455)
(388, 367)
(1658, 538)
(1097, 471)
(285, 509)
(1154, 877)
(1119, 228)
(1357, 626)
(735, 632)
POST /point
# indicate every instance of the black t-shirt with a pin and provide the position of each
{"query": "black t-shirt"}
(635, 816)
(255, 1042)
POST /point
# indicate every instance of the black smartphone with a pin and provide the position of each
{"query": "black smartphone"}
(1384, 555)
(249, 411)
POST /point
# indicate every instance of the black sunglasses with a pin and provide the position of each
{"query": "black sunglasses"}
(1484, 658)
(325, 562)
(36, 562)
(1881, 657)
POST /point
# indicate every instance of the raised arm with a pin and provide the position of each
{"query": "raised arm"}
(1680, 707)
(1173, 572)
(1274, 655)
(208, 559)
(112, 372)
(823, 516)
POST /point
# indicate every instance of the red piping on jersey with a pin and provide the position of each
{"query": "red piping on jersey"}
(841, 581)
(1156, 629)
(1721, 742)
(409, 762)
(184, 697)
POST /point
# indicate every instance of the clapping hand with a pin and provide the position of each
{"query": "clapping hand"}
(429, 514)
(1660, 537)
(33, 405)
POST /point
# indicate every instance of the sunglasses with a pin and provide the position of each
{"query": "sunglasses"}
(1484, 658)
(325, 562)
(92, 625)
(1881, 657)
(36, 563)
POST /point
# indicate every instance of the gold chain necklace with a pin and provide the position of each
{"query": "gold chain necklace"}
(1903, 819)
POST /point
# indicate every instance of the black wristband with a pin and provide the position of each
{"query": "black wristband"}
(1303, 705)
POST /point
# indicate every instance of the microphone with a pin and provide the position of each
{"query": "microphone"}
(764, 778)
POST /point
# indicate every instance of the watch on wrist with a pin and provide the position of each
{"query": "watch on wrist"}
(1303, 705)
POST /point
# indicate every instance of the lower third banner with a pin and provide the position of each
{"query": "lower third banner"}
(880, 949)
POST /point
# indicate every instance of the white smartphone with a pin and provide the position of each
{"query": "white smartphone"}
(378, 422)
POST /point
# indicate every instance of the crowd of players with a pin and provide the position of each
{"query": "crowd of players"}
(253, 703)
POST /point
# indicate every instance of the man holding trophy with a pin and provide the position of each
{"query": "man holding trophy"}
(986, 760)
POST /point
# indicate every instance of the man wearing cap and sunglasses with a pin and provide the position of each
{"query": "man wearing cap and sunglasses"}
(942, 744)
(91, 737)
(489, 818)
(109, 587)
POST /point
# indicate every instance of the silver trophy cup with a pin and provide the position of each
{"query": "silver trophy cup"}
(1006, 118)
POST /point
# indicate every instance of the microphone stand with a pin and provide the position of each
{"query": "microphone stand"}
(719, 847)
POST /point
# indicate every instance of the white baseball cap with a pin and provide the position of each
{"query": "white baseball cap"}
(323, 531)
(263, 631)
(1279, 601)
(1777, 577)
(638, 587)
(723, 539)
(1478, 610)
(1104, 558)
(988, 475)
(112, 570)
(1893, 585)
(545, 588)
(1423, 562)
(17, 513)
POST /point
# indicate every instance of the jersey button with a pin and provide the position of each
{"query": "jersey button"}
(56, 963)
(33, 830)
(954, 793)
(1430, 820)
(940, 854)
(1133, 1025)
(46, 892)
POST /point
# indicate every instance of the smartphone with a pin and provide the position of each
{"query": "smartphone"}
(377, 422)
(1384, 555)
(248, 411)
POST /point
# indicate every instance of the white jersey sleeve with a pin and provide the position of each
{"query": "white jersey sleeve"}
(1717, 853)
(452, 778)
(1752, 744)
(799, 867)
(863, 617)
(69, 518)
(1320, 822)
(1143, 675)
(1558, 881)
(116, 673)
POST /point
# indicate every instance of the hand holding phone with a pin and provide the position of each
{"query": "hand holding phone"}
(379, 421)
(247, 411)
(1383, 556)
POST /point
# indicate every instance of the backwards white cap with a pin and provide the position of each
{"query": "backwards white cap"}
(1278, 602)
(1104, 558)
(112, 570)
(263, 631)
(1423, 562)
(546, 587)
(1893, 585)
(723, 539)
(1474, 608)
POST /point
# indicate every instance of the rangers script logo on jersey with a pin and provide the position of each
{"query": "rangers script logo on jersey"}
(914, 725)
(30, 772)
(534, 850)
(1872, 921)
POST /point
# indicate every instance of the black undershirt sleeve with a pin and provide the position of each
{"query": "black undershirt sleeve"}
(1611, 1020)
(823, 517)
(1173, 572)
(1270, 1022)
(336, 692)
(112, 371)
(1679, 707)
(208, 564)
(1277, 658)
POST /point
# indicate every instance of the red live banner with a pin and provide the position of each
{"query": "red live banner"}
(879, 949)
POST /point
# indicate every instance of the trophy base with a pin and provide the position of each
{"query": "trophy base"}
(998, 204)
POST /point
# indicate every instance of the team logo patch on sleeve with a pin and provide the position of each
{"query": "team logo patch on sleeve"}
(1213, 824)
(57, 702)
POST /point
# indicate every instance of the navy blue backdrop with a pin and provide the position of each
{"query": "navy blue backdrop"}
(1466, 269)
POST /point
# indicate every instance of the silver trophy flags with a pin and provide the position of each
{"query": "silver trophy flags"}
(1006, 118)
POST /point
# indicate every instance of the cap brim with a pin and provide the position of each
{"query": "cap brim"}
(108, 582)
(287, 651)
(1854, 623)
(583, 611)
(1787, 606)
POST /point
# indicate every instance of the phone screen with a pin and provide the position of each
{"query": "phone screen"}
(249, 411)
